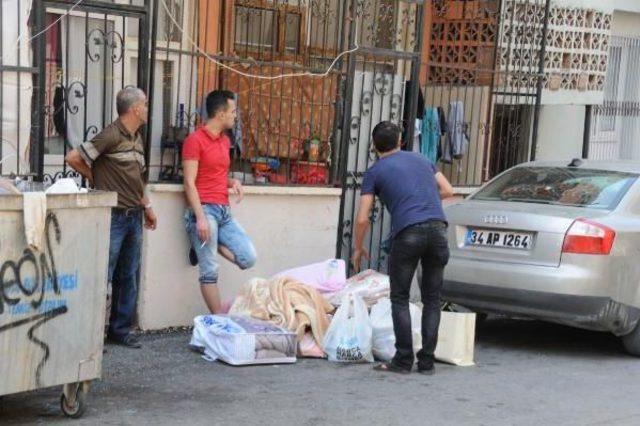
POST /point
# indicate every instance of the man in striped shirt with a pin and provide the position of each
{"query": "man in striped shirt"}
(114, 161)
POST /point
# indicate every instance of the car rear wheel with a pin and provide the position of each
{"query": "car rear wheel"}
(631, 341)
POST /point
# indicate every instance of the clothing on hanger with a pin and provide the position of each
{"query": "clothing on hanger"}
(408, 88)
(456, 140)
(431, 134)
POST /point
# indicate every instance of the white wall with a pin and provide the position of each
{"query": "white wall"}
(627, 5)
(626, 23)
(561, 132)
(290, 226)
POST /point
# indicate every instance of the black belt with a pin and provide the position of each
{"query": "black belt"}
(429, 223)
(128, 211)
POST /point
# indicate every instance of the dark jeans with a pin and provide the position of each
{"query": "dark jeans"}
(124, 261)
(426, 243)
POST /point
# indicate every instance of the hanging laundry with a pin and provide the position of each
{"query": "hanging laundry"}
(417, 136)
(456, 140)
(443, 129)
(409, 87)
(430, 134)
(443, 121)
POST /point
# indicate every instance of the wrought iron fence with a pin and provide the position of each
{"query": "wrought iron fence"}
(287, 129)
(461, 61)
(466, 93)
(73, 57)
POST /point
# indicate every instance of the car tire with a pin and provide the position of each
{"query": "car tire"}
(631, 341)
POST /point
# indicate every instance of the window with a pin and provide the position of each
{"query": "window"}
(167, 29)
(600, 189)
(268, 28)
(255, 28)
(607, 122)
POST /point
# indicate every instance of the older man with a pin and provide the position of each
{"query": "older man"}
(114, 161)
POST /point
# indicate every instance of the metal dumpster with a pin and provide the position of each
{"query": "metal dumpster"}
(53, 300)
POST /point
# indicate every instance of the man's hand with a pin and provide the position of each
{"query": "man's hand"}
(204, 230)
(357, 256)
(150, 219)
(236, 188)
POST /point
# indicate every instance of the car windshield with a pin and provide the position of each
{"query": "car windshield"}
(600, 189)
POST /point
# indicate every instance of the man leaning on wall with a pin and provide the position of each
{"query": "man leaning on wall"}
(114, 161)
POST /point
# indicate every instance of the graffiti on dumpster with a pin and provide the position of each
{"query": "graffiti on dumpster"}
(26, 295)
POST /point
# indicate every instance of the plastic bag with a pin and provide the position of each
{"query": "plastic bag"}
(65, 186)
(326, 277)
(350, 336)
(370, 285)
(384, 339)
(308, 348)
(242, 341)
(456, 338)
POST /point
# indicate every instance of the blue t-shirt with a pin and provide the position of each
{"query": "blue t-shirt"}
(406, 184)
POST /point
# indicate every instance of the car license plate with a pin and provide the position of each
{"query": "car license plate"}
(503, 239)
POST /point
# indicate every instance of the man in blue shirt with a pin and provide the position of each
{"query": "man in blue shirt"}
(411, 188)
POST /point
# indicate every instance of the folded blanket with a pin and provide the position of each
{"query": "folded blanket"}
(286, 303)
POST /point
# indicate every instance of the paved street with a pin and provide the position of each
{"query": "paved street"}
(528, 373)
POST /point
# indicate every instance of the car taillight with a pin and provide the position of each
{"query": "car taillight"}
(586, 237)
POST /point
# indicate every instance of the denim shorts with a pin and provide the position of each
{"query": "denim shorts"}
(225, 231)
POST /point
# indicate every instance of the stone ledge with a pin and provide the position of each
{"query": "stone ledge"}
(261, 190)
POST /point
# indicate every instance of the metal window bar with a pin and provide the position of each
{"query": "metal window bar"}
(614, 128)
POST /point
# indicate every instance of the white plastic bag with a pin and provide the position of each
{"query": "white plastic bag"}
(350, 337)
(326, 277)
(240, 340)
(384, 339)
(370, 285)
(65, 186)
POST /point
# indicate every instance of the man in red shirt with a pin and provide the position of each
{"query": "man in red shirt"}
(208, 219)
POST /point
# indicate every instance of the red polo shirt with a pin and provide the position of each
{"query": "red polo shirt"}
(212, 154)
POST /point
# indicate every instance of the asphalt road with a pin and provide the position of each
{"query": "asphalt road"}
(527, 373)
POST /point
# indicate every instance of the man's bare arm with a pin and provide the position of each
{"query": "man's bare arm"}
(77, 163)
(445, 188)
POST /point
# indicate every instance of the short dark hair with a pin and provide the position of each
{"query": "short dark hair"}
(218, 100)
(385, 136)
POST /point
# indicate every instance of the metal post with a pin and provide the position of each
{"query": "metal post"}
(346, 124)
(415, 75)
(587, 131)
(536, 112)
(146, 71)
(37, 108)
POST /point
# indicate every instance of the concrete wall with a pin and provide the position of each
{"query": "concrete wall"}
(625, 23)
(627, 5)
(561, 132)
(289, 227)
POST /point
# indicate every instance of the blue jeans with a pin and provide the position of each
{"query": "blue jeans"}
(124, 262)
(226, 231)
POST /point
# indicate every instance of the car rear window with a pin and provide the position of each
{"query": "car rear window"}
(600, 189)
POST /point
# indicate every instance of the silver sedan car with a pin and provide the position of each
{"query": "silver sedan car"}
(552, 241)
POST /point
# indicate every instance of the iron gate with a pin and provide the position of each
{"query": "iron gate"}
(485, 57)
(378, 87)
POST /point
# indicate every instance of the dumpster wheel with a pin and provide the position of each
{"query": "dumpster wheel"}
(73, 400)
